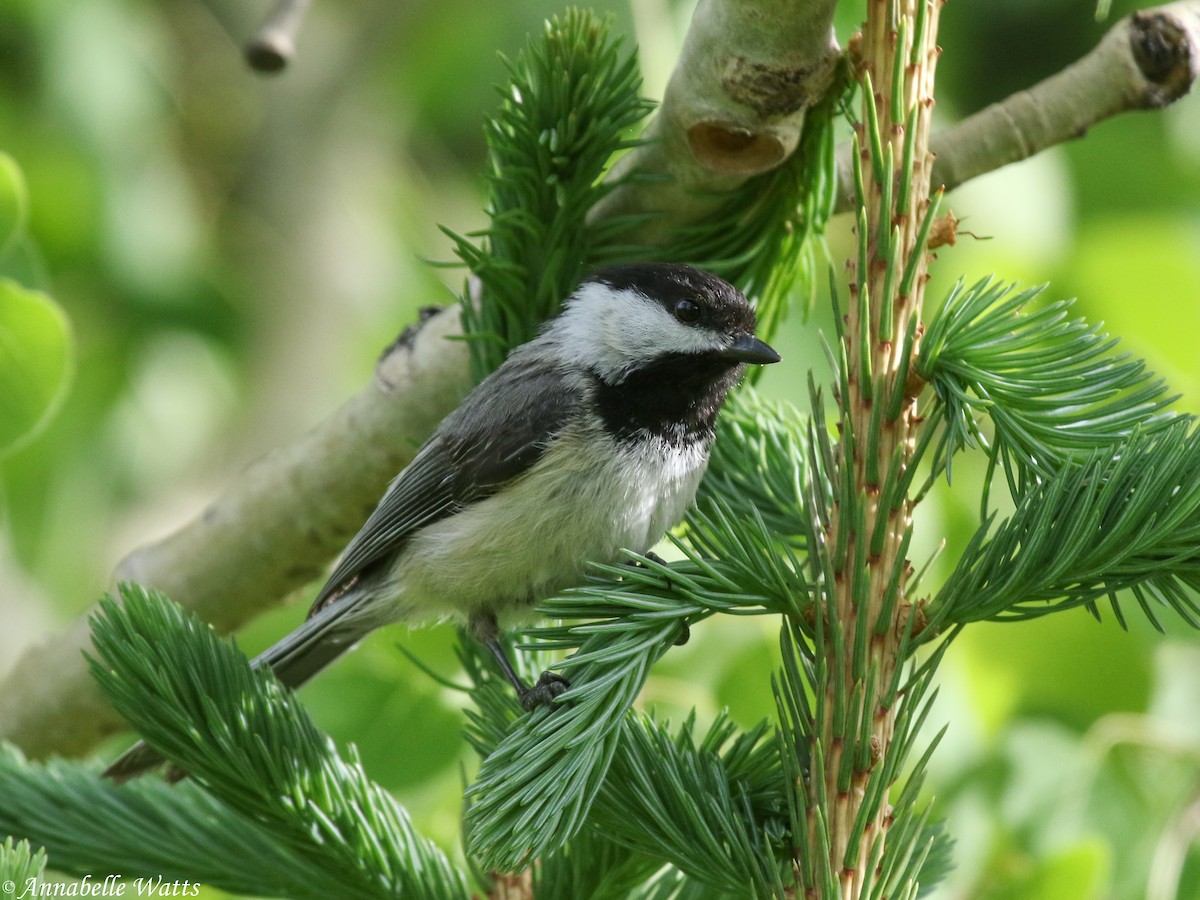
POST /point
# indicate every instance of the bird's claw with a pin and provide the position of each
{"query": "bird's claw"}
(654, 557)
(657, 560)
(549, 686)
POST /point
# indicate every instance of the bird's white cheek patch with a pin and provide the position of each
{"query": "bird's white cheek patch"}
(615, 337)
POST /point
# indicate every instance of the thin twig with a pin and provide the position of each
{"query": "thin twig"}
(1146, 61)
(274, 43)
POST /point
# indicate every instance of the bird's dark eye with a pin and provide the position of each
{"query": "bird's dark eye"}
(687, 312)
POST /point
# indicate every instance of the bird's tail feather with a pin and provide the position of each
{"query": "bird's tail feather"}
(294, 659)
(311, 647)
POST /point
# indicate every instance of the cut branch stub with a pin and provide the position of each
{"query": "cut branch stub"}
(733, 108)
(1164, 44)
(729, 150)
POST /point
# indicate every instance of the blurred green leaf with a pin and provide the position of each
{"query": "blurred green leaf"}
(1140, 274)
(35, 361)
(14, 199)
(1078, 872)
(1068, 668)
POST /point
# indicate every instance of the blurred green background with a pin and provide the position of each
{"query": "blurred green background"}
(233, 252)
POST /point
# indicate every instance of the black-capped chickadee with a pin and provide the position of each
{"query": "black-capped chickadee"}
(588, 442)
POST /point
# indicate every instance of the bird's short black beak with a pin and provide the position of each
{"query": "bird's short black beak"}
(747, 348)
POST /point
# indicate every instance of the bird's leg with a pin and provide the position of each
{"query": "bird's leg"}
(548, 686)
(483, 628)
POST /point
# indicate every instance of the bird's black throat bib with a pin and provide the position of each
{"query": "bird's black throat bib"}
(675, 398)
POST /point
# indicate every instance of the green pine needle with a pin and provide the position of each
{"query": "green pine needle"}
(152, 829)
(758, 464)
(913, 853)
(1052, 387)
(19, 865)
(246, 740)
(593, 865)
(671, 884)
(535, 788)
(1124, 518)
(571, 104)
(713, 808)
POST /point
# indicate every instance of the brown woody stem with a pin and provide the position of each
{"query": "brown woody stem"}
(898, 56)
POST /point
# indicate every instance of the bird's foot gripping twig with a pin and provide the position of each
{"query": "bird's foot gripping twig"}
(549, 686)
(484, 628)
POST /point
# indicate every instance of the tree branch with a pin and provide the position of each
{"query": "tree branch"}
(268, 534)
(734, 107)
(274, 44)
(1148, 60)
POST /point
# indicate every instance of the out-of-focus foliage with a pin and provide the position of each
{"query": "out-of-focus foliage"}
(233, 251)
(35, 338)
(14, 201)
(35, 362)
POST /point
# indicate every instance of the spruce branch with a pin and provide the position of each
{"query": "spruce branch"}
(671, 884)
(536, 786)
(1051, 385)
(151, 829)
(18, 863)
(861, 723)
(916, 852)
(249, 743)
(592, 865)
(758, 466)
(712, 808)
(570, 106)
(1126, 518)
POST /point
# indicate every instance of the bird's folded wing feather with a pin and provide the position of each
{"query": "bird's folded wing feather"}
(497, 434)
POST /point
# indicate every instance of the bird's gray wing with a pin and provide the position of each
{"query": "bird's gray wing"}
(494, 436)
(498, 432)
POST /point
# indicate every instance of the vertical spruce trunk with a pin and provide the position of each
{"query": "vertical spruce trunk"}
(878, 428)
